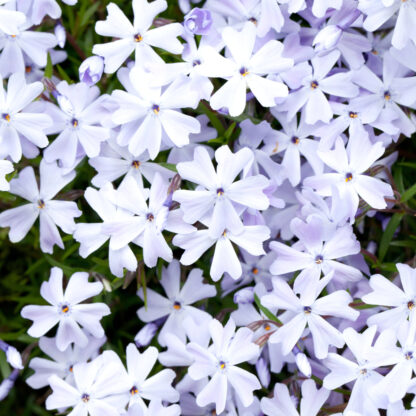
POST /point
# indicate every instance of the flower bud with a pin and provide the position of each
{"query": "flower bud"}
(244, 296)
(60, 34)
(303, 364)
(263, 372)
(198, 21)
(91, 70)
(327, 38)
(145, 335)
(14, 358)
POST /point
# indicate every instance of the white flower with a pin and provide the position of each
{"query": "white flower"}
(65, 308)
(5, 167)
(220, 199)
(137, 36)
(17, 122)
(178, 305)
(14, 358)
(51, 213)
(220, 360)
(245, 69)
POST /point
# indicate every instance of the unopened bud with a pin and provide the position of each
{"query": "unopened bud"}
(91, 70)
(60, 34)
(198, 21)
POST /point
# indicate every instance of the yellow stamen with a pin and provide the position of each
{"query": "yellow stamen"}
(136, 164)
(138, 38)
(255, 270)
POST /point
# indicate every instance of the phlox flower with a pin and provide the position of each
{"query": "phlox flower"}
(21, 129)
(244, 68)
(78, 122)
(225, 259)
(350, 165)
(96, 391)
(318, 80)
(316, 252)
(401, 302)
(91, 235)
(146, 221)
(51, 213)
(150, 116)
(23, 42)
(223, 199)
(219, 361)
(362, 371)
(140, 385)
(282, 405)
(62, 363)
(178, 304)
(66, 310)
(137, 37)
(115, 161)
(307, 310)
(379, 12)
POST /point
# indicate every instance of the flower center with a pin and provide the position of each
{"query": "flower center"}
(135, 164)
(387, 95)
(408, 355)
(363, 371)
(150, 217)
(71, 369)
(295, 140)
(74, 122)
(65, 308)
(348, 177)
(222, 365)
(41, 204)
(319, 259)
(220, 191)
(253, 20)
(156, 109)
(267, 327)
(134, 390)
(307, 310)
(85, 398)
(255, 270)
(410, 305)
(243, 71)
(138, 38)
(353, 114)
(196, 62)
(314, 85)
(6, 117)
(177, 305)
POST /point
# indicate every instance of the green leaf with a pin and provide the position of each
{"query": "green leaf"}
(63, 74)
(409, 193)
(88, 13)
(48, 68)
(388, 234)
(268, 314)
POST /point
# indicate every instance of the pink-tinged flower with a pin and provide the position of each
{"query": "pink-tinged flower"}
(225, 259)
(316, 252)
(244, 68)
(51, 213)
(178, 304)
(92, 237)
(282, 404)
(61, 362)
(96, 391)
(66, 310)
(78, 122)
(136, 37)
(219, 362)
(401, 302)
(149, 116)
(220, 199)
(362, 371)
(307, 310)
(350, 165)
(23, 42)
(20, 129)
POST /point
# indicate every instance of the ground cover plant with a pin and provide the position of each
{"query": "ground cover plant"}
(208, 208)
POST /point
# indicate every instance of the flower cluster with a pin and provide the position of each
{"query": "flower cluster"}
(238, 158)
